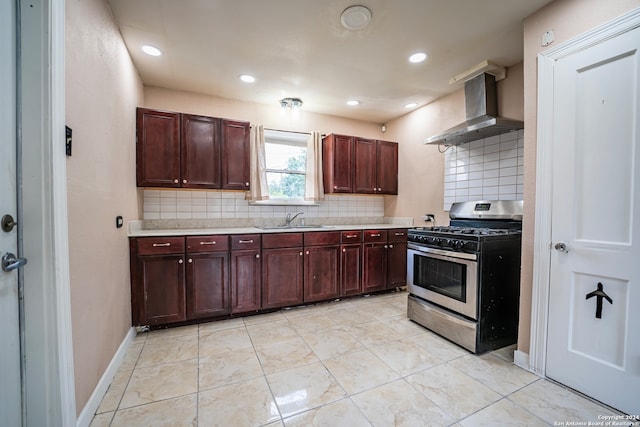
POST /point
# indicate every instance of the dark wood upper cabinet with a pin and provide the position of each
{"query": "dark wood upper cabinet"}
(190, 151)
(157, 148)
(235, 149)
(359, 165)
(201, 152)
(386, 167)
(364, 180)
(337, 166)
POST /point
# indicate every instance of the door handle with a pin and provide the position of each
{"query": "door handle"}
(11, 262)
(561, 247)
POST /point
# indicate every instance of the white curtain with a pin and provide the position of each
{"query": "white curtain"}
(314, 187)
(259, 189)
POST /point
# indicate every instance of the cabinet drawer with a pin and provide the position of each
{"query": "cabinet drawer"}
(397, 235)
(207, 243)
(160, 245)
(351, 236)
(375, 236)
(281, 240)
(319, 238)
(245, 241)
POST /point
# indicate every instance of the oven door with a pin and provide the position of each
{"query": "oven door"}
(446, 278)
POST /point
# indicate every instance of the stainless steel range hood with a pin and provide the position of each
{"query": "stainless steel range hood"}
(481, 112)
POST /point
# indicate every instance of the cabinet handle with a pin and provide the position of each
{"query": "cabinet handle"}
(257, 255)
(159, 245)
(184, 181)
(208, 243)
(175, 181)
(399, 234)
(189, 260)
(375, 235)
(351, 236)
(180, 261)
(245, 241)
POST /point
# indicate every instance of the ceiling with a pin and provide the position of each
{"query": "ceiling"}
(299, 48)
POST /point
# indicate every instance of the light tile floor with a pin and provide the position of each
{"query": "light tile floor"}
(358, 362)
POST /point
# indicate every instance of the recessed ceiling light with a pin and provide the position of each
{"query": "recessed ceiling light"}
(410, 105)
(353, 102)
(151, 50)
(355, 17)
(418, 57)
(247, 78)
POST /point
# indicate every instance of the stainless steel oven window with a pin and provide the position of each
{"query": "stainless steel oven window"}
(444, 278)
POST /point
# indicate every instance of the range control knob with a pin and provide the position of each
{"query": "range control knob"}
(458, 244)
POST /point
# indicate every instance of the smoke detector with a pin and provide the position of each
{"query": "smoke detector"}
(355, 17)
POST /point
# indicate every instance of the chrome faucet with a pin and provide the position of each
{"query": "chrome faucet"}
(289, 219)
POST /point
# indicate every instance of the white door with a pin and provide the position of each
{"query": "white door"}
(10, 390)
(593, 327)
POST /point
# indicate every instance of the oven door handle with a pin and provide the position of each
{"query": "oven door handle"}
(448, 254)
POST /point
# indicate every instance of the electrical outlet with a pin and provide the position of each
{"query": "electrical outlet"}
(429, 217)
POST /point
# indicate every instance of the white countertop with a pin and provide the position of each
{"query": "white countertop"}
(137, 232)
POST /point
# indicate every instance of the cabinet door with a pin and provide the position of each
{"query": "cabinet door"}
(396, 264)
(281, 277)
(387, 167)
(350, 269)
(235, 151)
(245, 281)
(321, 273)
(201, 152)
(207, 284)
(161, 282)
(337, 164)
(157, 148)
(374, 267)
(364, 180)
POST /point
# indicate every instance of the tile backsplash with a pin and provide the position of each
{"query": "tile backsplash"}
(487, 169)
(200, 204)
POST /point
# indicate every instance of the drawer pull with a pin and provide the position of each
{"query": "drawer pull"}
(159, 245)
(399, 234)
(245, 241)
(351, 236)
(375, 235)
(208, 243)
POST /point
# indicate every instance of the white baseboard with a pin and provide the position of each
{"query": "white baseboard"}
(521, 359)
(85, 417)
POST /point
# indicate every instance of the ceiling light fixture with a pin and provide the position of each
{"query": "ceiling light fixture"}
(353, 102)
(418, 57)
(151, 50)
(410, 105)
(355, 17)
(247, 78)
(293, 104)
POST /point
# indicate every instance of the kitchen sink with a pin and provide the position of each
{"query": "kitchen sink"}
(293, 227)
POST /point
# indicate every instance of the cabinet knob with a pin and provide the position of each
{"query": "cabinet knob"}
(386, 246)
(257, 255)
(391, 246)
(175, 181)
(184, 181)
(307, 252)
(180, 261)
(246, 184)
(344, 250)
(300, 253)
(189, 260)
(335, 187)
(379, 189)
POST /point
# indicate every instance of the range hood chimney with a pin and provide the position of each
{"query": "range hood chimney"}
(482, 119)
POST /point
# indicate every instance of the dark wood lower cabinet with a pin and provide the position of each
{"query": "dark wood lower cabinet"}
(374, 267)
(245, 281)
(321, 273)
(207, 284)
(161, 282)
(281, 277)
(177, 279)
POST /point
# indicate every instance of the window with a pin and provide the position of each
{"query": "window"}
(286, 158)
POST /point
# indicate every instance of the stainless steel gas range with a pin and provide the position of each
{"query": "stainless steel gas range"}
(464, 279)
